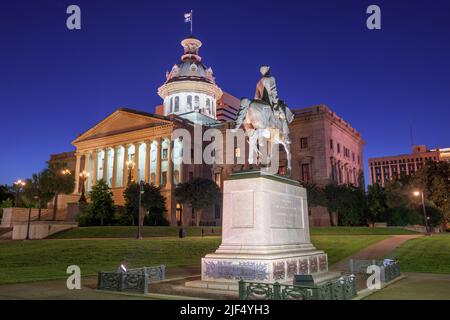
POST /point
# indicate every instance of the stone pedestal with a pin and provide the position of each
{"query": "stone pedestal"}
(265, 233)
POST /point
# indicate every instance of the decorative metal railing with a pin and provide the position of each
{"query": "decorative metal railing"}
(133, 280)
(390, 269)
(343, 288)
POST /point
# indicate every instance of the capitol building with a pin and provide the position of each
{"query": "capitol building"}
(324, 147)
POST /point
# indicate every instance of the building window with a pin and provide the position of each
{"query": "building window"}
(208, 106)
(189, 102)
(177, 103)
(303, 143)
(305, 172)
(176, 177)
(218, 179)
(331, 144)
(353, 156)
(164, 178)
(171, 105)
(165, 154)
(338, 148)
(197, 102)
(179, 214)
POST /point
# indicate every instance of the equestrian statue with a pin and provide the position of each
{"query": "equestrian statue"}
(266, 116)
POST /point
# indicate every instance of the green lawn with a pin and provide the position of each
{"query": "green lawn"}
(425, 254)
(359, 231)
(48, 259)
(130, 232)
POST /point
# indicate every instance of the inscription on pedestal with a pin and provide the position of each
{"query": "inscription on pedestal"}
(286, 211)
(278, 270)
(241, 270)
(313, 266)
(291, 268)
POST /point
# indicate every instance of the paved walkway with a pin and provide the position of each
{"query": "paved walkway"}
(375, 251)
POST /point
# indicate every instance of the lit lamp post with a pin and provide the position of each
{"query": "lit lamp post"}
(19, 184)
(130, 166)
(420, 194)
(141, 192)
(83, 177)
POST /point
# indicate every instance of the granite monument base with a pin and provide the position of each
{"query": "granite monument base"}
(265, 234)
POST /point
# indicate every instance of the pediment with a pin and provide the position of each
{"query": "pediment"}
(121, 121)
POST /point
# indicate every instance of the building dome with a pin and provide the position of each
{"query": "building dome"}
(190, 85)
(190, 67)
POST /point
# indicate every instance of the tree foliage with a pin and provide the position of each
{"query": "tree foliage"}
(101, 209)
(53, 182)
(200, 194)
(152, 201)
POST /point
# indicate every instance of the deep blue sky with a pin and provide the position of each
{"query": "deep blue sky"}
(56, 83)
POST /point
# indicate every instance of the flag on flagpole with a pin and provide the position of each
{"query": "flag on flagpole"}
(188, 17)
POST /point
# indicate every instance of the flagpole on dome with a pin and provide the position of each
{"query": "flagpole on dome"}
(188, 17)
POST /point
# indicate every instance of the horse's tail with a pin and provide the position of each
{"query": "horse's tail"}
(245, 103)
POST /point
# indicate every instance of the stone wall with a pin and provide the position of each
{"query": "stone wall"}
(40, 229)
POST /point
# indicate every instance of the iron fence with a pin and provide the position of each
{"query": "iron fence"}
(343, 288)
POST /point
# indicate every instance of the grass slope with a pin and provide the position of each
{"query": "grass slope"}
(48, 259)
(130, 232)
(425, 254)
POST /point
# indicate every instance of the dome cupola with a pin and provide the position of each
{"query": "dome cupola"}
(190, 85)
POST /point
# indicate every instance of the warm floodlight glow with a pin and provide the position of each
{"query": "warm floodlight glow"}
(416, 193)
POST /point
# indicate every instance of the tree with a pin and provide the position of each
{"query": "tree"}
(376, 202)
(101, 207)
(200, 194)
(348, 202)
(6, 193)
(56, 180)
(34, 192)
(152, 201)
(434, 180)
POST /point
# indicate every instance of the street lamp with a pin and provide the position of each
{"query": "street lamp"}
(83, 177)
(66, 172)
(130, 165)
(19, 184)
(420, 194)
(141, 192)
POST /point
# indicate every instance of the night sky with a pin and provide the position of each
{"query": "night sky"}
(55, 83)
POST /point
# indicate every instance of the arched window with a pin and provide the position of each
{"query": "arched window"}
(208, 106)
(197, 102)
(189, 102)
(177, 103)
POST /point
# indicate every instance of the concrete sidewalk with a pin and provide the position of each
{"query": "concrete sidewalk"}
(374, 251)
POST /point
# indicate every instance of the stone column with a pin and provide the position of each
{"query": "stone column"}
(114, 173)
(136, 163)
(95, 166)
(105, 165)
(77, 174)
(158, 162)
(170, 162)
(125, 167)
(147, 161)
